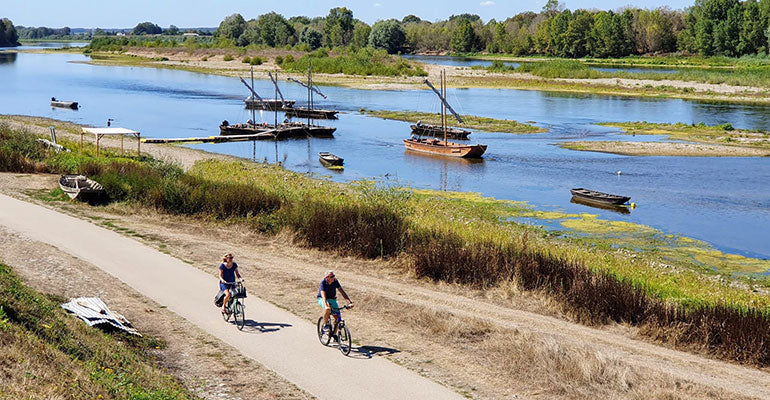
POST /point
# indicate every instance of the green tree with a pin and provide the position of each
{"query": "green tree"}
(231, 27)
(361, 34)
(751, 35)
(8, 35)
(172, 30)
(146, 28)
(338, 26)
(274, 30)
(388, 35)
(410, 18)
(463, 38)
(727, 32)
(311, 37)
(578, 34)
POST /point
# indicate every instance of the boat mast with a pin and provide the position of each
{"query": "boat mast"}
(275, 106)
(253, 115)
(309, 92)
(443, 107)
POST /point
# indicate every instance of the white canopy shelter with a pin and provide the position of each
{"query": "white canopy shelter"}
(101, 132)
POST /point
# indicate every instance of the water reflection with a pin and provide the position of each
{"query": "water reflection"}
(7, 58)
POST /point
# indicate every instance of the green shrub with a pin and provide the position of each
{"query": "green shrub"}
(278, 60)
(255, 60)
(246, 60)
(228, 57)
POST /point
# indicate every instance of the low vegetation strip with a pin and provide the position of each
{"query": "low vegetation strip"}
(665, 149)
(48, 354)
(471, 121)
(366, 61)
(442, 238)
(724, 134)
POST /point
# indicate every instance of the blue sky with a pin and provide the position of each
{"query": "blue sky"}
(208, 13)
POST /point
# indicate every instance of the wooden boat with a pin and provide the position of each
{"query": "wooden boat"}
(269, 104)
(444, 148)
(281, 131)
(433, 145)
(435, 130)
(310, 112)
(598, 197)
(329, 159)
(79, 186)
(314, 113)
(64, 104)
(620, 209)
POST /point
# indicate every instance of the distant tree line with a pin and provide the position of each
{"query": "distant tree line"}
(8, 35)
(709, 27)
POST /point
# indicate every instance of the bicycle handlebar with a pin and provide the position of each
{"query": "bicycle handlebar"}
(233, 283)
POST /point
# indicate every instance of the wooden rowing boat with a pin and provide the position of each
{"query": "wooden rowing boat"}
(329, 159)
(314, 113)
(598, 197)
(433, 145)
(64, 104)
(80, 187)
(442, 148)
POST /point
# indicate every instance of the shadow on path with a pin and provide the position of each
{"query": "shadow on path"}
(363, 352)
(261, 327)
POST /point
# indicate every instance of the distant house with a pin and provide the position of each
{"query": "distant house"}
(120, 34)
(190, 34)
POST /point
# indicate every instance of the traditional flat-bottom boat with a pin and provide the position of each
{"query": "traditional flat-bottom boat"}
(620, 209)
(64, 104)
(268, 104)
(440, 147)
(437, 131)
(79, 186)
(593, 196)
(282, 131)
(304, 112)
(329, 159)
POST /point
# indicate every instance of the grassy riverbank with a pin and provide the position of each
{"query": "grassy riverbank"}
(48, 354)
(625, 273)
(471, 121)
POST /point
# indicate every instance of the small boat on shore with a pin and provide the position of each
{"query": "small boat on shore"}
(80, 187)
(313, 113)
(435, 130)
(593, 196)
(329, 159)
(64, 104)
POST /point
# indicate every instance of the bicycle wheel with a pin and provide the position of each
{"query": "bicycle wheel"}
(239, 314)
(226, 314)
(344, 340)
(324, 336)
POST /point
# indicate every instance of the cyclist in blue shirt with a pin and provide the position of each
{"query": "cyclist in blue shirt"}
(228, 271)
(327, 295)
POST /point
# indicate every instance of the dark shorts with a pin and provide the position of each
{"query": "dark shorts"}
(224, 286)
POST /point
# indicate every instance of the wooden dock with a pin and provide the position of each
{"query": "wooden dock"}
(266, 135)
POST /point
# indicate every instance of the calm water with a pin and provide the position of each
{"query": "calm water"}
(724, 201)
(470, 62)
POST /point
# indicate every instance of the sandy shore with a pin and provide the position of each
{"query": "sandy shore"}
(666, 149)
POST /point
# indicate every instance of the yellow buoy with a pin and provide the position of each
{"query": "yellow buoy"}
(633, 205)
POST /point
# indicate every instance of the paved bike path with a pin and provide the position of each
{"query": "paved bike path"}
(290, 348)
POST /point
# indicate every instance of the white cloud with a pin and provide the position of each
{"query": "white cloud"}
(487, 3)
(377, 4)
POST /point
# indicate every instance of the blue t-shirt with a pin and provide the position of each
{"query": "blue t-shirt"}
(329, 288)
(228, 274)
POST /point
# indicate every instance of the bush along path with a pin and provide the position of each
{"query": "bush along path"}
(473, 249)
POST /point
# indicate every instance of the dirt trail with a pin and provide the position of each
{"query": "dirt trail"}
(291, 350)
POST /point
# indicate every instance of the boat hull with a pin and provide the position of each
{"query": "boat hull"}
(587, 195)
(283, 131)
(79, 187)
(65, 104)
(447, 149)
(436, 131)
(303, 112)
(269, 104)
(330, 160)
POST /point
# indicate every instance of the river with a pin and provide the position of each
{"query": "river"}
(724, 201)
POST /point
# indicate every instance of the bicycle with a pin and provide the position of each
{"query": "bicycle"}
(339, 331)
(236, 305)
